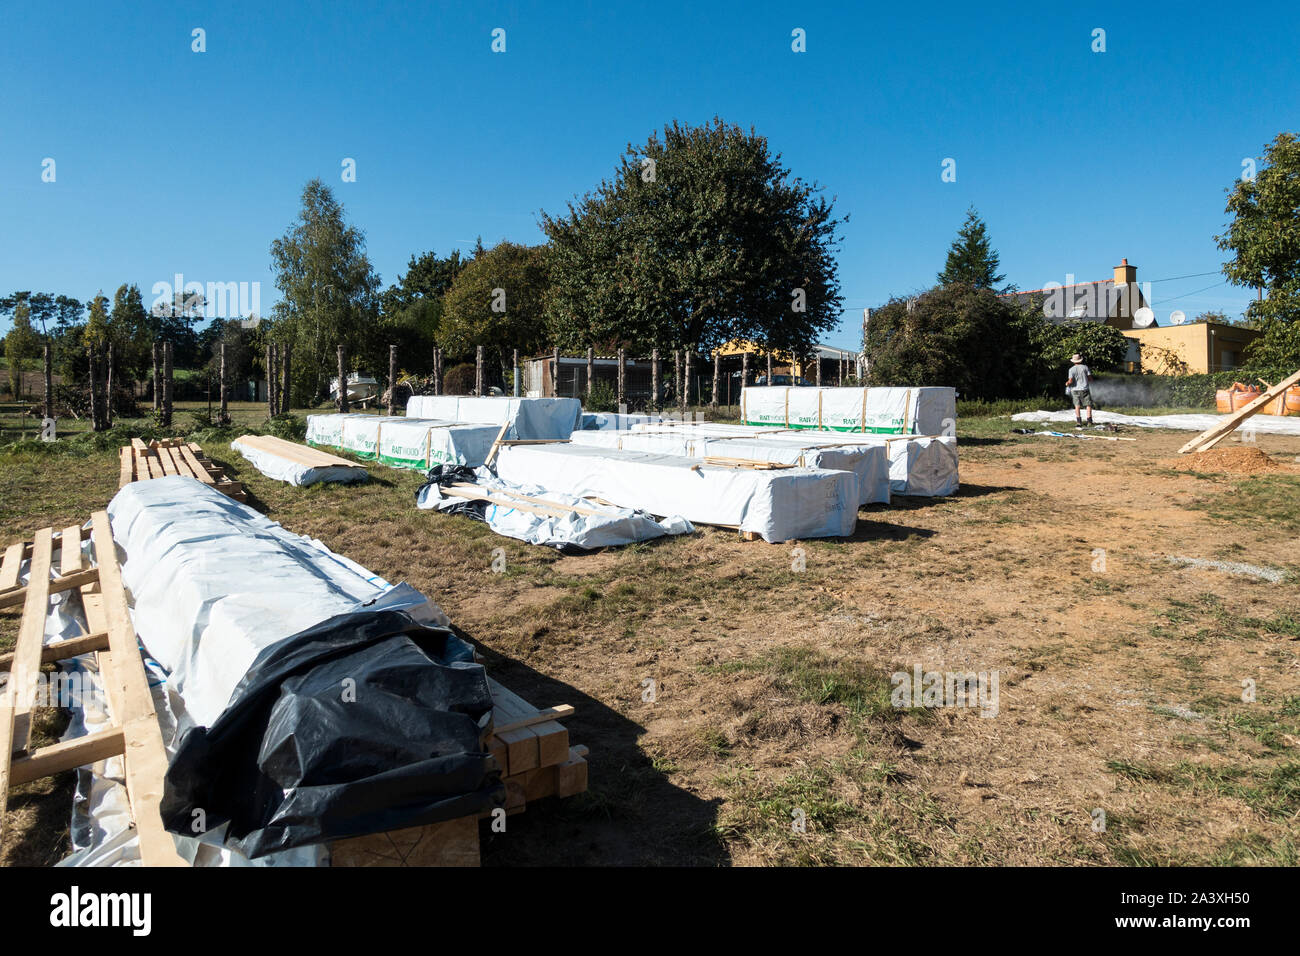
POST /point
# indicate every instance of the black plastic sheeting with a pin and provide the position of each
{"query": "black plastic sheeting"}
(369, 721)
(440, 475)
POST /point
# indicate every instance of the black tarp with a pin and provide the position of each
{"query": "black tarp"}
(366, 722)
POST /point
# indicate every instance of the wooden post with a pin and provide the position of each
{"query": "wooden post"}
(478, 370)
(744, 369)
(342, 403)
(286, 391)
(686, 380)
(622, 379)
(677, 376)
(49, 384)
(555, 373)
(654, 379)
(108, 387)
(515, 387)
(437, 370)
(223, 415)
(94, 390)
(392, 380)
(717, 378)
(167, 384)
(817, 357)
(157, 391)
(769, 368)
(270, 380)
(591, 370)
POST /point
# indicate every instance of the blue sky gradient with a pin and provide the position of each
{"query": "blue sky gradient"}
(173, 161)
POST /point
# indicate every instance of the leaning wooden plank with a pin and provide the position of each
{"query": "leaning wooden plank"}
(31, 635)
(27, 661)
(1221, 430)
(62, 651)
(146, 757)
(67, 755)
(496, 445)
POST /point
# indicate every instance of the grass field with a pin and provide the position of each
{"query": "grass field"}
(1120, 672)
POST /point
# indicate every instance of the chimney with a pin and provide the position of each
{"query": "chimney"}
(1125, 274)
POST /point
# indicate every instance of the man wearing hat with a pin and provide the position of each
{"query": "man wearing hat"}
(1077, 381)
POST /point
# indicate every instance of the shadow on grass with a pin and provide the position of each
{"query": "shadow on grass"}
(631, 814)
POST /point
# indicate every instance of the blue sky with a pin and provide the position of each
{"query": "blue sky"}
(170, 161)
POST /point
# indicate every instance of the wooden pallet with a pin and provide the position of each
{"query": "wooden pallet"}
(134, 734)
(173, 456)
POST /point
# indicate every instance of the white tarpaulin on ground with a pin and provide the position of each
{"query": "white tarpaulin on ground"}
(925, 466)
(930, 410)
(779, 505)
(529, 418)
(1262, 424)
(297, 473)
(567, 530)
(869, 462)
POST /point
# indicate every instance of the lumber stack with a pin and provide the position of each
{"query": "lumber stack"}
(537, 761)
(134, 734)
(173, 456)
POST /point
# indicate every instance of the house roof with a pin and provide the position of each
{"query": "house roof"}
(1082, 302)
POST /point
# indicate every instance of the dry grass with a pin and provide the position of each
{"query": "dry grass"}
(1120, 682)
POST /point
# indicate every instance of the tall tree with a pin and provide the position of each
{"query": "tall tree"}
(972, 261)
(132, 329)
(329, 293)
(701, 237)
(498, 301)
(21, 344)
(1264, 239)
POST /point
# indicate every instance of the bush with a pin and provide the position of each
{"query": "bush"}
(603, 398)
(459, 380)
(1103, 347)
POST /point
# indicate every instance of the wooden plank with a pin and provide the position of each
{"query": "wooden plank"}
(62, 651)
(67, 755)
(453, 843)
(126, 467)
(1215, 434)
(15, 725)
(484, 494)
(496, 446)
(63, 583)
(303, 454)
(537, 717)
(71, 559)
(194, 466)
(12, 566)
(168, 465)
(146, 758)
(552, 743)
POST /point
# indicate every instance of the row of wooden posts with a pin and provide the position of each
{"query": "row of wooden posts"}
(683, 369)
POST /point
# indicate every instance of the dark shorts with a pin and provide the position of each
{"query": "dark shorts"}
(1082, 397)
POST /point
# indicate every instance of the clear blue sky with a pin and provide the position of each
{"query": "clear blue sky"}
(172, 161)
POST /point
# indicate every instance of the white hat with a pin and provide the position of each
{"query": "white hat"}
(1076, 357)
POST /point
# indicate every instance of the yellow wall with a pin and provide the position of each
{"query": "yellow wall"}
(1204, 346)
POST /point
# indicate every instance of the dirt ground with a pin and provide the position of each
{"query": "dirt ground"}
(736, 697)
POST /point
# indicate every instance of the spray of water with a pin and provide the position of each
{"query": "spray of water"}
(1135, 393)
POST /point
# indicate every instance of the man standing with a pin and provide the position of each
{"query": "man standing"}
(1078, 381)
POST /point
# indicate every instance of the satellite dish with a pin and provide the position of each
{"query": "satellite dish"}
(1178, 317)
(1143, 317)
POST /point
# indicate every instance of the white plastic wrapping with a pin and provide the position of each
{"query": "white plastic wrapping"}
(361, 435)
(929, 410)
(869, 462)
(779, 505)
(1262, 424)
(213, 582)
(612, 526)
(296, 472)
(529, 418)
(614, 421)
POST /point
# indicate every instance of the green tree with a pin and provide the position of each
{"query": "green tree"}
(498, 301)
(701, 237)
(330, 294)
(410, 311)
(97, 333)
(972, 261)
(21, 344)
(1264, 239)
(982, 345)
(1103, 347)
(132, 330)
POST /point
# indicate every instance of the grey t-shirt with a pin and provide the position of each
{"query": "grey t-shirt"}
(1078, 377)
